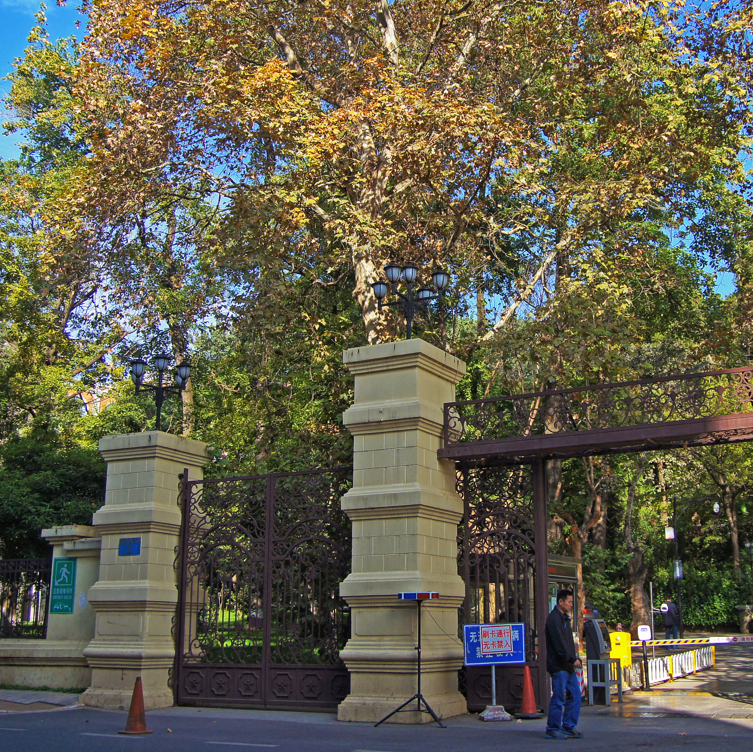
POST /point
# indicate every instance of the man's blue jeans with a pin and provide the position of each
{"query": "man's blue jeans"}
(565, 693)
(671, 632)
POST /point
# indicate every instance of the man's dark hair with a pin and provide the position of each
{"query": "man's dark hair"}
(562, 594)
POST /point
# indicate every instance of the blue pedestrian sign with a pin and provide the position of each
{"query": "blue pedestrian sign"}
(494, 644)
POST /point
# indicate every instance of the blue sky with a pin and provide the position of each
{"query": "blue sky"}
(16, 20)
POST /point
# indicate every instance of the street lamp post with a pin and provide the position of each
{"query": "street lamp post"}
(161, 363)
(408, 302)
(671, 534)
(749, 549)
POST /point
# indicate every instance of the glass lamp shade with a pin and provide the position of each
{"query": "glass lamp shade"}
(717, 508)
(410, 272)
(392, 270)
(441, 279)
(380, 289)
(138, 369)
(184, 371)
(180, 382)
(162, 362)
(423, 293)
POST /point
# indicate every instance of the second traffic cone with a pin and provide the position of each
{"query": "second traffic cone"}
(528, 707)
(136, 723)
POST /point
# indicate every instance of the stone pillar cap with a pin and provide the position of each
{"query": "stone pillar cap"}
(392, 356)
(66, 533)
(153, 443)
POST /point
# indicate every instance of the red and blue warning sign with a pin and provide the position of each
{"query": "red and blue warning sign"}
(494, 644)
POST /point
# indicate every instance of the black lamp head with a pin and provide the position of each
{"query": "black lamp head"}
(410, 272)
(392, 270)
(138, 369)
(441, 279)
(162, 362)
(380, 289)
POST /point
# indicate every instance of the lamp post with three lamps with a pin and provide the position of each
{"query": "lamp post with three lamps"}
(161, 363)
(670, 533)
(408, 302)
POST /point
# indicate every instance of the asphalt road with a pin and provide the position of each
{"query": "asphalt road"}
(189, 730)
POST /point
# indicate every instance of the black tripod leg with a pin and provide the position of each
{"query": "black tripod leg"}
(430, 711)
(397, 710)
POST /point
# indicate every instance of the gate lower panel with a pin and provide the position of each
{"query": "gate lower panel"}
(247, 686)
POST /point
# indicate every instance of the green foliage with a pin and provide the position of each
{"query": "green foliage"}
(44, 483)
(606, 590)
(709, 596)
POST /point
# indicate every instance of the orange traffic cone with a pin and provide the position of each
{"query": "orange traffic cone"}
(528, 708)
(136, 723)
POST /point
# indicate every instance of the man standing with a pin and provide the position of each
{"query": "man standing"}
(671, 619)
(561, 662)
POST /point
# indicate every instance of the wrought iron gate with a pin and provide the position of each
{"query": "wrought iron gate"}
(260, 619)
(501, 545)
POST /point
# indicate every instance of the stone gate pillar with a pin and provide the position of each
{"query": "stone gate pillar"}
(405, 512)
(136, 595)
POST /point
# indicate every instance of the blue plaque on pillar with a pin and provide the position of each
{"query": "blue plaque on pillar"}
(129, 546)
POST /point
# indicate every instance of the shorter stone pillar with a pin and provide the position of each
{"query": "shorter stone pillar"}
(136, 594)
(405, 513)
(58, 661)
(82, 543)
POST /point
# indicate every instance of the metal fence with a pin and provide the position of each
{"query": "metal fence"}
(24, 592)
(669, 667)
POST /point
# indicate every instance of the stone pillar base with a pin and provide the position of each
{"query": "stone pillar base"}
(112, 689)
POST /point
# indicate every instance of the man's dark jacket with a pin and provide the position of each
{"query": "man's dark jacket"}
(560, 647)
(671, 615)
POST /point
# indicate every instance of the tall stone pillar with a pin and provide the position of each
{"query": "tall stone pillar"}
(405, 512)
(136, 594)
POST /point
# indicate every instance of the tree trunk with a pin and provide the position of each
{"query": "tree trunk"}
(637, 569)
(639, 601)
(576, 550)
(730, 508)
(599, 533)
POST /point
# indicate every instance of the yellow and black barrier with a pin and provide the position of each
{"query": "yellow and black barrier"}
(720, 640)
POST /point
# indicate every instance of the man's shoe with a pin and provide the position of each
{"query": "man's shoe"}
(555, 735)
(571, 733)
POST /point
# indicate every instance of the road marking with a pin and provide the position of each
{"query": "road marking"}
(5, 728)
(244, 744)
(112, 736)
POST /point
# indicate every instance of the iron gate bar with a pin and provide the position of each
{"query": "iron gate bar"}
(667, 412)
(541, 573)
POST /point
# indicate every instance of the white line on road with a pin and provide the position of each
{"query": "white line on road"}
(113, 736)
(5, 728)
(244, 744)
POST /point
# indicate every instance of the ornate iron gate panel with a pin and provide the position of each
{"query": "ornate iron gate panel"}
(260, 619)
(500, 547)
